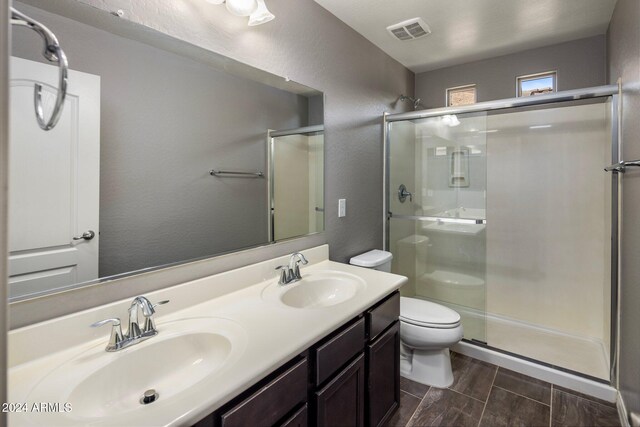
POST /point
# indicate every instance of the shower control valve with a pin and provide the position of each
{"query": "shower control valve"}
(403, 193)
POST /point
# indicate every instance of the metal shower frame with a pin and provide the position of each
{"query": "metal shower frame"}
(612, 91)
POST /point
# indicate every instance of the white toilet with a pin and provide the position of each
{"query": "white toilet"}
(427, 330)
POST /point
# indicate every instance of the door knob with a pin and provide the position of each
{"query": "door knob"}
(87, 235)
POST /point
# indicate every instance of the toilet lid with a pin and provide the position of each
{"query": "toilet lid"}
(371, 259)
(426, 313)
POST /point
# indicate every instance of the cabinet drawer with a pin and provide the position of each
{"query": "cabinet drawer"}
(273, 401)
(205, 422)
(298, 419)
(382, 316)
(336, 352)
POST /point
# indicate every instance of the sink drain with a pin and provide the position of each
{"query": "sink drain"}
(149, 396)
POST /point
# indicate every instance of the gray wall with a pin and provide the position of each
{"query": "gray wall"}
(316, 110)
(165, 121)
(309, 45)
(623, 48)
(579, 63)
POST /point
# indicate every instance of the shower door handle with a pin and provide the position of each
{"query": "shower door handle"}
(621, 166)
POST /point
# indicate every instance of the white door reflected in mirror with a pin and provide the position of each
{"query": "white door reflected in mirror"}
(54, 182)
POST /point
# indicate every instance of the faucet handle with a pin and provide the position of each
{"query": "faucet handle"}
(160, 303)
(294, 265)
(116, 337)
(115, 321)
(284, 274)
(149, 322)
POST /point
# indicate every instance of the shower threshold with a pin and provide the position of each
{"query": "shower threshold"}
(581, 383)
(579, 355)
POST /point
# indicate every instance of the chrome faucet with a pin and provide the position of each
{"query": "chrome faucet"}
(291, 273)
(136, 333)
(141, 303)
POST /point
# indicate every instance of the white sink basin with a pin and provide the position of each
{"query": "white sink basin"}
(317, 289)
(100, 385)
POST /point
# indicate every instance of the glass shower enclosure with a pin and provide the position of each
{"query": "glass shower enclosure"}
(295, 170)
(503, 212)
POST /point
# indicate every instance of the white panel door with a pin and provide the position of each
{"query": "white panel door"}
(54, 182)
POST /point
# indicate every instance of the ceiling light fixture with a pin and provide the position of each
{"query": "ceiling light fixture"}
(256, 10)
(241, 7)
(450, 120)
(261, 15)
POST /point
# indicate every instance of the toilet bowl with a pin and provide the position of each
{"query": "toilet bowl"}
(427, 330)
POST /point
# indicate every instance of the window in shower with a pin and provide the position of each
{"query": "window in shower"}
(461, 95)
(536, 84)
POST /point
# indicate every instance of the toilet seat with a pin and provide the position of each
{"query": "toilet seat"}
(427, 314)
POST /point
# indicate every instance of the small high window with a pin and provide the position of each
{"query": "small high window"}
(536, 84)
(461, 95)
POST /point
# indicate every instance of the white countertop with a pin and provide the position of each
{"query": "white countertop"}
(275, 333)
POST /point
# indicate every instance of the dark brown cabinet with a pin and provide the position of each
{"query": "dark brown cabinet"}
(383, 376)
(272, 402)
(341, 401)
(335, 352)
(298, 419)
(349, 378)
(382, 315)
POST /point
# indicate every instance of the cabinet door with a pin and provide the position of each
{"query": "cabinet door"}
(341, 402)
(383, 376)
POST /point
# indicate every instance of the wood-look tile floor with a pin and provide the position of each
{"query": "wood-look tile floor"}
(483, 395)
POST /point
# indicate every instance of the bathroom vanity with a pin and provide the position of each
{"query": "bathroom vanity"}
(351, 377)
(233, 349)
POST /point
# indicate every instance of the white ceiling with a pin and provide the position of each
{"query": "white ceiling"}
(470, 30)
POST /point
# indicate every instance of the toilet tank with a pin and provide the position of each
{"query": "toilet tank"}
(376, 259)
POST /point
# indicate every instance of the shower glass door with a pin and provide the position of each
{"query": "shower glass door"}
(549, 238)
(506, 216)
(437, 212)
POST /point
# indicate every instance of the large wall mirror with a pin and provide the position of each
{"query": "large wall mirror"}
(165, 153)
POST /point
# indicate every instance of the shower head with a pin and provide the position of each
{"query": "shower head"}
(416, 101)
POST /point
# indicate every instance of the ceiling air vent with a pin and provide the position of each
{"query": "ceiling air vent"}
(410, 29)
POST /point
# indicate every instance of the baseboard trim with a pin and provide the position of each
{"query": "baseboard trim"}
(622, 411)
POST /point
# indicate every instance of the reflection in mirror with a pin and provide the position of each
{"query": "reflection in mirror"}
(123, 183)
(296, 171)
